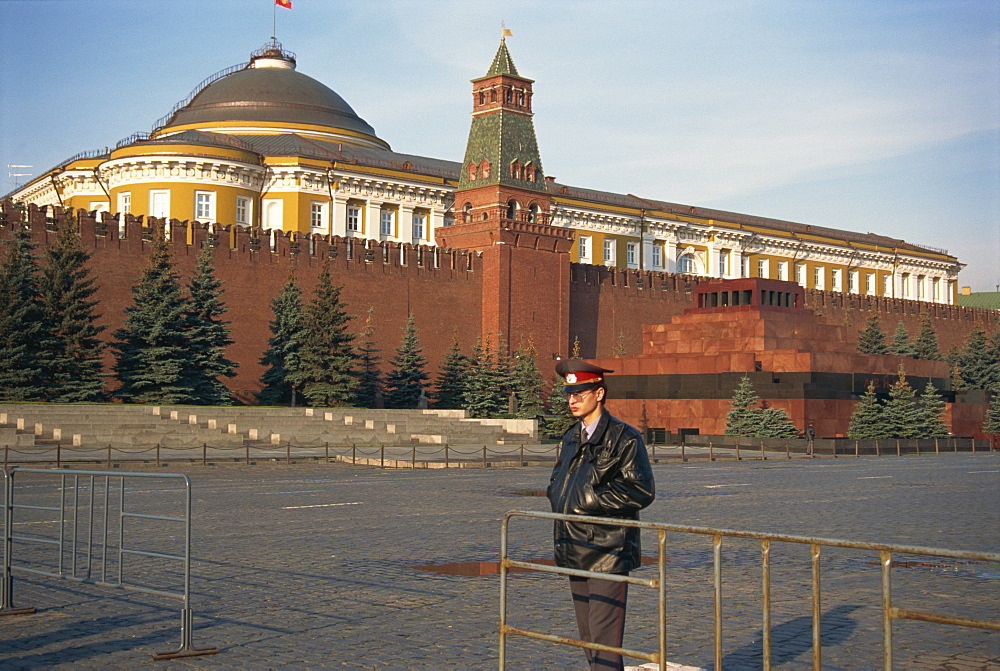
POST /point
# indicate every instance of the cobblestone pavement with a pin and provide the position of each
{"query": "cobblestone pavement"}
(311, 566)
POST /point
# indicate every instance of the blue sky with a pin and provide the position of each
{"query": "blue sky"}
(866, 115)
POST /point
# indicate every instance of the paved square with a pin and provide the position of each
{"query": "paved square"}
(312, 566)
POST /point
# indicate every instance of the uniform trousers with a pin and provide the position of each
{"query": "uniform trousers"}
(600, 616)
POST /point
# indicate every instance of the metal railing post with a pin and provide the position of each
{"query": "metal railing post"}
(661, 574)
(204, 454)
(381, 458)
(484, 457)
(765, 563)
(157, 455)
(738, 457)
(885, 557)
(817, 638)
(109, 455)
(326, 450)
(413, 456)
(717, 591)
(762, 457)
(354, 454)
(288, 452)
(521, 462)
(58, 456)
(247, 446)
(711, 451)
(683, 453)
(446, 455)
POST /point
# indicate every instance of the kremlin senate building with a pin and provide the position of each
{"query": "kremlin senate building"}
(272, 165)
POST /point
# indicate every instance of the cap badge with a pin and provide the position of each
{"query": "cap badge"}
(570, 378)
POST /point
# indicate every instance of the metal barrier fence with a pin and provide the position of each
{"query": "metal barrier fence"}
(890, 613)
(86, 530)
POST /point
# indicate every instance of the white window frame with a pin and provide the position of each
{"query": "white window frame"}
(204, 205)
(125, 202)
(801, 274)
(353, 219)
(159, 212)
(783, 270)
(853, 277)
(631, 254)
(836, 280)
(763, 268)
(419, 225)
(887, 287)
(870, 286)
(819, 277)
(921, 288)
(386, 222)
(609, 252)
(687, 264)
(584, 246)
(724, 263)
(936, 288)
(744, 266)
(243, 210)
(318, 216)
(657, 254)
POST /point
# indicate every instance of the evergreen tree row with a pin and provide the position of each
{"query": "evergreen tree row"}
(902, 415)
(49, 346)
(752, 418)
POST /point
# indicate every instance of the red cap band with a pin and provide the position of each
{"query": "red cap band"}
(583, 378)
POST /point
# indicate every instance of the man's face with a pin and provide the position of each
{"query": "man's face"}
(585, 404)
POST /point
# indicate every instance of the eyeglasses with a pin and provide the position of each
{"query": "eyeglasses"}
(576, 398)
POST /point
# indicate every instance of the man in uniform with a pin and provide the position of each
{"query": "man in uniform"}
(603, 470)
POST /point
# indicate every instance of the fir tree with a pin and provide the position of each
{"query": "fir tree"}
(866, 420)
(450, 385)
(407, 379)
(926, 344)
(977, 366)
(775, 423)
(872, 339)
(207, 335)
(504, 371)
(744, 418)
(901, 345)
(282, 357)
(152, 349)
(481, 398)
(23, 369)
(527, 382)
(325, 375)
(901, 416)
(992, 423)
(931, 410)
(369, 371)
(560, 419)
(75, 369)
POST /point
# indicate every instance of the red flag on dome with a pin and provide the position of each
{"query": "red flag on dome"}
(287, 4)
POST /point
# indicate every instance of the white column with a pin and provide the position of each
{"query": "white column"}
(670, 255)
(405, 225)
(338, 215)
(373, 223)
(436, 221)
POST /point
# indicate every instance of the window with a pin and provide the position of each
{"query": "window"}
(836, 279)
(317, 216)
(783, 271)
(657, 256)
(724, 263)
(630, 254)
(744, 266)
(419, 219)
(473, 170)
(353, 218)
(159, 203)
(584, 248)
(800, 274)
(242, 211)
(533, 213)
(870, 284)
(852, 282)
(763, 267)
(819, 279)
(904, 285)
(511, 209)
(936, 289)
(204, 205)
(686, 264)
(467, 214)
(921, 280)
(484, 169)
(125, 202)
(482, 97)
(386, 222)
(609, 252)
(887, 286)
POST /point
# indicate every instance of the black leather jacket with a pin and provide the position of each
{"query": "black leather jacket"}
(608, 476)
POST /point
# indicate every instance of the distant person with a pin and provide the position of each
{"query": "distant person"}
(602, 470)
(810, 438)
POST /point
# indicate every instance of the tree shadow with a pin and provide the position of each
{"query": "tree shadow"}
(793, 639)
